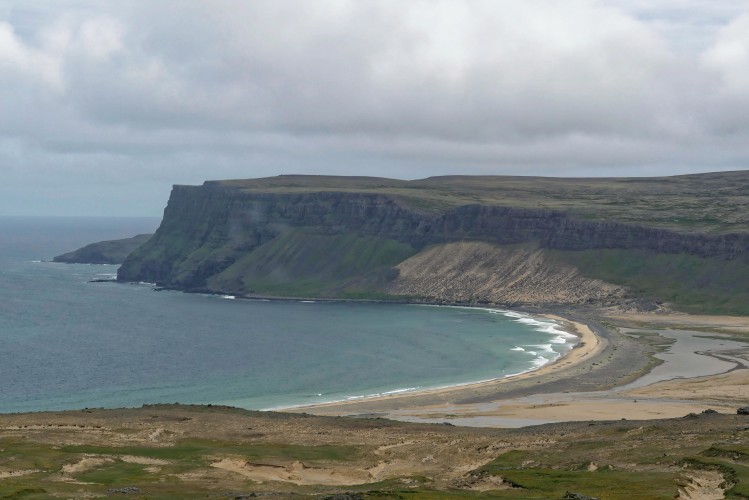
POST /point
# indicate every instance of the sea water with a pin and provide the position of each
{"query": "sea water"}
(67, 342)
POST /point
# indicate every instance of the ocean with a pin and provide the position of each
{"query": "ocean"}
(68, 343)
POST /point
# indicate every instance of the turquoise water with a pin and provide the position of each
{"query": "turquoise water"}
(68, 343)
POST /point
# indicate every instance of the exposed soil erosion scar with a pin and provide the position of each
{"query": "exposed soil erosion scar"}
(295, 473)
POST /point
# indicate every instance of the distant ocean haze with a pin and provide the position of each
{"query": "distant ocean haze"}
(69, 343)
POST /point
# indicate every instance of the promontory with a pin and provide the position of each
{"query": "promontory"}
(637, 243)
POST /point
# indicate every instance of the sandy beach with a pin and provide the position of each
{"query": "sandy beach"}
(638, 366)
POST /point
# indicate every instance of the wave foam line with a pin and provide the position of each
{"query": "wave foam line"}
(544, 326)
(543, 347)
(537, 363)
(561, 337)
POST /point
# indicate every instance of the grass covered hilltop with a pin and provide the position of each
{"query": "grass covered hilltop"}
(632, 242)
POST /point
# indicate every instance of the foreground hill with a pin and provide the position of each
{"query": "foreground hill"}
(493, 240)
(175, 451)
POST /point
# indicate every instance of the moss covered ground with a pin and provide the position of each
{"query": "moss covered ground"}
(183, 452)
(300, 263)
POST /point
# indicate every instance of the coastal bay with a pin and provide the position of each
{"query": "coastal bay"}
(346, 250)
(356, 328)
(186, 451)
(72, 339)
(691, 364)
(599, 372)
(509, 438)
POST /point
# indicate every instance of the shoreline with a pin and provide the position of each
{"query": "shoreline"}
(587, 346)
(532, 398)
(588, 382)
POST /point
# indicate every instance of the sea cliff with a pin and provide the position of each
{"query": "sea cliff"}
(345, 237)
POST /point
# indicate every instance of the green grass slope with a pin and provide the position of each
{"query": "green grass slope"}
(687, 282)
(301, 263)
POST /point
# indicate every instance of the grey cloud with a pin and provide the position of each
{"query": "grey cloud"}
(113, 95)
(498, 80)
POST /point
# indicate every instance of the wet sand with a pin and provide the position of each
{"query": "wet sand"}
(678, 364)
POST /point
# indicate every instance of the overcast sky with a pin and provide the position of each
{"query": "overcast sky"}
(105, 104)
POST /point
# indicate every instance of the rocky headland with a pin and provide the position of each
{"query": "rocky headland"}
(104, 252)
(681, 240)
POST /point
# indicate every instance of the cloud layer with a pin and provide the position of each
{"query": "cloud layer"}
(106, 104)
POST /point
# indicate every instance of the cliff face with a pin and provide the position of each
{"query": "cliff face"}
(206, 229)
(558, 230)
(220, 237)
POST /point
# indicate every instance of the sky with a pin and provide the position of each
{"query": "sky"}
(104, 105)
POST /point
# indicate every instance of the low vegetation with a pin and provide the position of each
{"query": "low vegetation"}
(216, 452)
(299, 263)
(715, 202)
(689, 283)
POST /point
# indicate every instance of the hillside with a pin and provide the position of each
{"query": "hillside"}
(682, 240)
(177, 451)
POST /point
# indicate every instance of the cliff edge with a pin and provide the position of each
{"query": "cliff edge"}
(493, 240)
